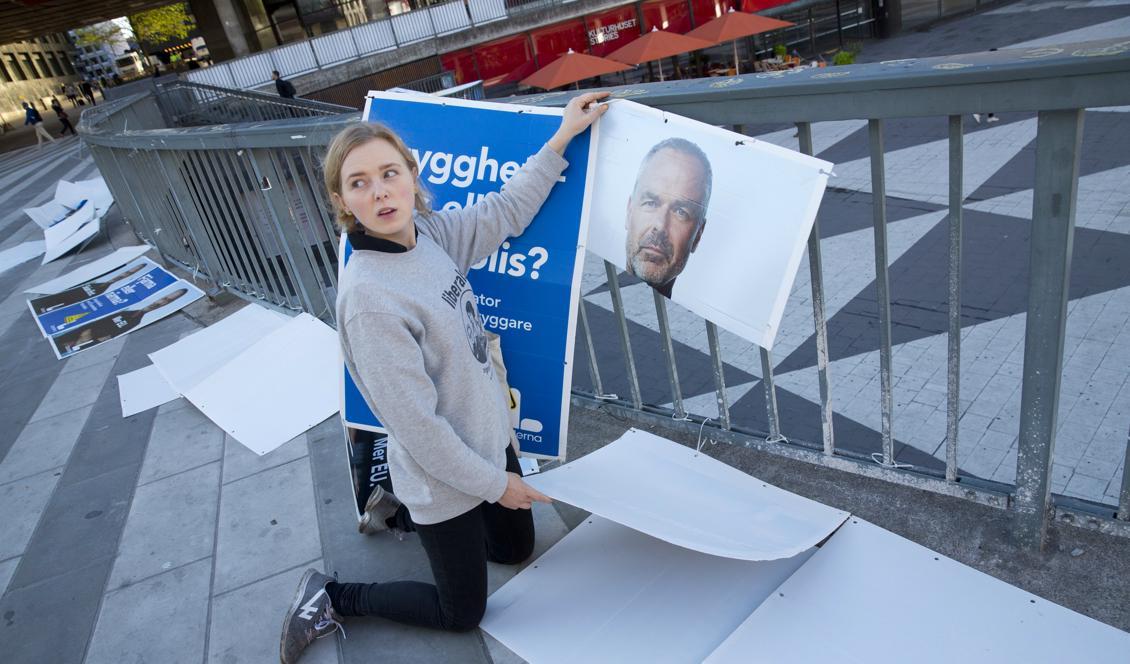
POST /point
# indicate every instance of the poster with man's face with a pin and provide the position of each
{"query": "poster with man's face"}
(714, 220)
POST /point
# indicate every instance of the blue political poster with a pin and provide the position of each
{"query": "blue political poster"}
(57, 321)
(529, 288)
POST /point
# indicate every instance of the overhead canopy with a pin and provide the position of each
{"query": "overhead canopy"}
(25, 19)
(735, 25)
(655, 45)
(570, 68)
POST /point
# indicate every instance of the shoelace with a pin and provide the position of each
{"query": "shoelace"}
(326, 622)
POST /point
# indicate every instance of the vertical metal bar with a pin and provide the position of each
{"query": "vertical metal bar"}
(293, 244)
(770, 397)
(182, 200)
(227, 220)
(719, 375)
(210, 217)
(239, 226)
(953, 358)
(313, 216)
(669, 350)
(882, 286)
(248, 201)
(594, 368)
(1124, 496)
(819, 318)
(622, 327)
(1058, 137)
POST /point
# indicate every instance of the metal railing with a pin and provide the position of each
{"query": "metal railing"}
(242, 205)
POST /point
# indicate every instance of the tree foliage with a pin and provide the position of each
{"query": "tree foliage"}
(101, 33)
(168, 23)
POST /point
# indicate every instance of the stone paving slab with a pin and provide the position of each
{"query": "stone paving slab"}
(43, 445)
(22, 502)
(267, 524)
(172, 522)
(245, 623)
(161, 619)
(182, 439)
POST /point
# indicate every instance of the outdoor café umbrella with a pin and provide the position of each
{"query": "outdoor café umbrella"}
(732, 26)
(570, 68)
(657, 45)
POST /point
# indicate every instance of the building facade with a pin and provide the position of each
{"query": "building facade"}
(101, 60)
(34, 71)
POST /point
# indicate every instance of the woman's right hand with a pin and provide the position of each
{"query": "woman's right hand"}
(519, 495)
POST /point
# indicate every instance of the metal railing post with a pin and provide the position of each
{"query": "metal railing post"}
(594, 366)
(1124, 495)
(770, 398)
(202, 244)
(622, 328)
(300, 270)
(669, 351)
(1058, 138)
(882, 285)
(953, 361)
(819, 319)
(719, 375)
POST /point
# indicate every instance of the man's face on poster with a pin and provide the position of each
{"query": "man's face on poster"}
(666, 214)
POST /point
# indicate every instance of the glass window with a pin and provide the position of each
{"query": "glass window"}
(669, 15)
(14, 67)
(556, 40)
(611, 30)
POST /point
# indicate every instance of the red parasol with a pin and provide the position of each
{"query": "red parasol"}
(570, 68)
(656, 45)
(734, 25)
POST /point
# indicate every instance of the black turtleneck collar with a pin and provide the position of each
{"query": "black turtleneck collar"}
(365, 242)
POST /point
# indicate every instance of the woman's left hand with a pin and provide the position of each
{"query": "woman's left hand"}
(580, 113)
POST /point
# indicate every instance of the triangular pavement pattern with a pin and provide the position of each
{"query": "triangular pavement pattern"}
(922, 172)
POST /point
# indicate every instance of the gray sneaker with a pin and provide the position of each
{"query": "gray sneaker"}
(311, 616)
(380, 506)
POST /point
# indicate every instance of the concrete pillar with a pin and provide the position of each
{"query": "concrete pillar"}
(233, 28)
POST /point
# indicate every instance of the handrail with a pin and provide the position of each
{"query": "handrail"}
(241, 204)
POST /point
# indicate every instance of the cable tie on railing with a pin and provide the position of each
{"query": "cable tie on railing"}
(684, 418)
(831, 174)
(698, 445)
(877, 457)
(607, 396)
(773, 440)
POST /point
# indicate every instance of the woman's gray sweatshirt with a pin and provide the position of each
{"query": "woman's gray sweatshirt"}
(413, 341)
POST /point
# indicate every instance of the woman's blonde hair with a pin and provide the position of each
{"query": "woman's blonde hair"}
(346, 141)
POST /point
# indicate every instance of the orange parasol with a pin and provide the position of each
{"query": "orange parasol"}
(570, 68)
(656, 45)
(734, 25)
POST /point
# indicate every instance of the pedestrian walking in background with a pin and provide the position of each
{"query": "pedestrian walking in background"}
(284, 87)
(72, 93)
(34, 119)
(63, 117)
(88, 92)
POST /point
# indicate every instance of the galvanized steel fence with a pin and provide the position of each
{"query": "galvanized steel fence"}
(242, 205)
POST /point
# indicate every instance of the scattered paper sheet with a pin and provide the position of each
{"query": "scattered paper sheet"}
(70, 233)
(607, 593)
(93, 190)
(878, 597)
(90, 271)
(143, 389)
(21, 253)
(189, 361)
(671, 492)
(276, 389)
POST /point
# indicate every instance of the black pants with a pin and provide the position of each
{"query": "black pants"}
(458, 550)
(66, 126)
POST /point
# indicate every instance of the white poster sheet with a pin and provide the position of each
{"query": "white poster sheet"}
(274, 390)
(609, 593)
(648, 483)
(89, 271)
(143, 389)
(70, 233)
(715, 220)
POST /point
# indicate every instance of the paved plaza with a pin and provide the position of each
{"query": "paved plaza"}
(158, 538)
